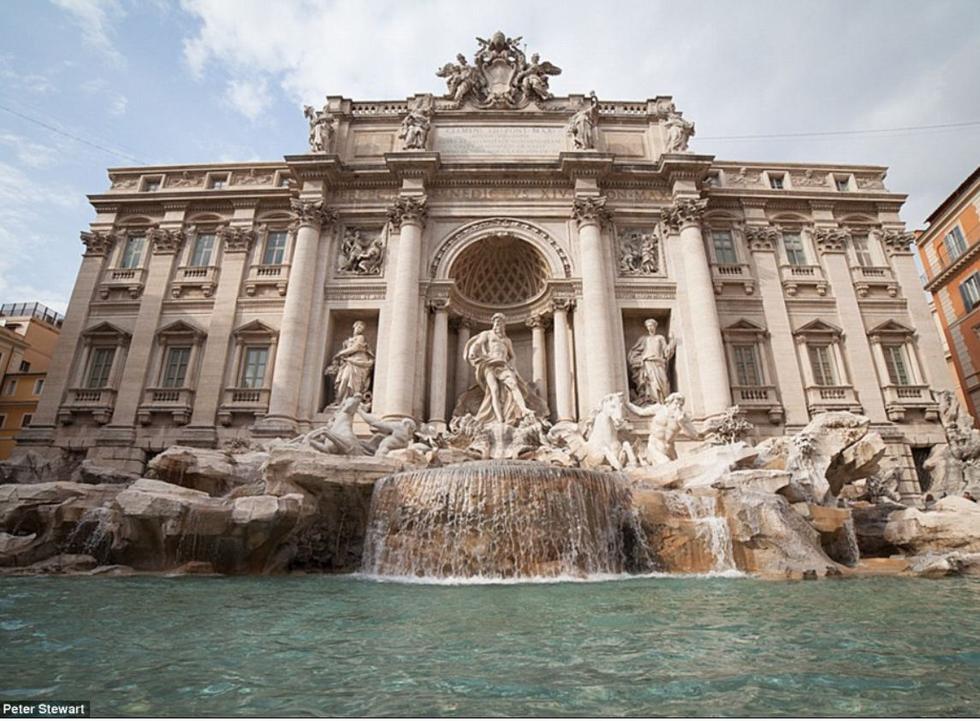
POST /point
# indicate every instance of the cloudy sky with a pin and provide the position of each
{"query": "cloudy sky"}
(91, 84)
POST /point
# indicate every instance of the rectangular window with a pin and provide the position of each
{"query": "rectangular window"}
(822, 364)
(283, 181)
(776, 181)
(25, 367)
(955, 243)
(842, 184)
(253, 368)
(275, 248)
(38, 386)
(218, 182)
(203, 248)
(747, 369)
(724, 247)
(970, 290)
(133, 252)
(793, 245)
(898, 368)
(26, 419)
(99, 367)
(862, 252)
(10, 388)
(175, 369)
(151, 184)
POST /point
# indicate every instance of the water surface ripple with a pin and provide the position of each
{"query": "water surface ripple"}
(353, 646)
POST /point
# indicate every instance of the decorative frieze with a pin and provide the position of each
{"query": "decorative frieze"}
(407, 209)
(684, 212)
(591, 210)
(639, 252)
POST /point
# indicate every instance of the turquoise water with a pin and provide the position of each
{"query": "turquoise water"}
(350, 646)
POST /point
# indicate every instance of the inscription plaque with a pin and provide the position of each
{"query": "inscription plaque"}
(506, 140)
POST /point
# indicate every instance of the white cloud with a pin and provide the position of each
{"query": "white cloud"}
(249, 97)
(29, 152)
(94, 18)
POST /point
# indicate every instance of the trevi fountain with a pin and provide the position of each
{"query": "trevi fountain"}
(657, 555)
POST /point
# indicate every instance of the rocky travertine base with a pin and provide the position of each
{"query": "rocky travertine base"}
(775, 510)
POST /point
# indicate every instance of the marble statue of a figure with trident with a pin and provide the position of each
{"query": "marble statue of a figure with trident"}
(648, 360)
(491, 354)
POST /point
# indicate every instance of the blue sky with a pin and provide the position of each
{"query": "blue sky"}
(219, 80)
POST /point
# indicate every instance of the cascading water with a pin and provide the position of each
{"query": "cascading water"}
(502, 519)
(92, 534)
(703, 512)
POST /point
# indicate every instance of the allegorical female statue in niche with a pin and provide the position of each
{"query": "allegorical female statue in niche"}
(351, 367)
(648, 360)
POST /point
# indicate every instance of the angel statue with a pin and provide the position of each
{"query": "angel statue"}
(461, 79)
(533, 79)
(321, 129)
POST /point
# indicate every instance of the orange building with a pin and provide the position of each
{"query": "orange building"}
(28, 333)
(950, 253)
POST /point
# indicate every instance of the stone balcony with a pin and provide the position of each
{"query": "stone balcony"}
(759, 398)
(98, 402)
(179, 402)
(259, 275)
(253, 401)
(129, 281)
(739, 274)
(900, 399)
(201, 277)
(866, 278)
(795, 277)
(832, 398)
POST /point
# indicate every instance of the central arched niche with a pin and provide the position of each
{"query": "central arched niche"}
(500, 271)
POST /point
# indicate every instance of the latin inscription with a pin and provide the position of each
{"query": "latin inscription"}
(504, 140)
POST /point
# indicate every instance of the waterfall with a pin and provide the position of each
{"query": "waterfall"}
(703, 512)
(92, 534)
(502, 519)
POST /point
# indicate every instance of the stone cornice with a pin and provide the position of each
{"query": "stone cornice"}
(941, 278)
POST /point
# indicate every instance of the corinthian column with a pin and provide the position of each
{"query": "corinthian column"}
(597, 298)
(98, 246)
(539, 356)
(408, 215)
(439, 378)
(563, 364)
(462, 367)
(287, 375)
(699, 301)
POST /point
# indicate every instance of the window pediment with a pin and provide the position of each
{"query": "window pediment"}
(108, 332)
(818, 328)
(256, 329)
(181, 329)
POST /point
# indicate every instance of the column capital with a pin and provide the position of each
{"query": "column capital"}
(437, 305)
(312, 212)
(685, 213)
(408, 209)
(562, 305)
(761, 238)
(236, 239)
(897, 242)
(165, 241)
(538, 320)
(591, 210)
(98, 242)
(830, 240)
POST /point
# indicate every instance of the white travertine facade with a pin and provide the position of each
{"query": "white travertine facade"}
(212, 298)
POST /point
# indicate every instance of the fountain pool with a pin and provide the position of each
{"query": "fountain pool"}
(343, 645)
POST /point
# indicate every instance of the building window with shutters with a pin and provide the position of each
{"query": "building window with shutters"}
(970, 292)
(955, 243)
(100, 367)
(132, 255)
(175, 367)
(275, 248)
(793, 247)
(724, 247)
(822, 364)
(203, 250)
(255, 360)
(745, 358)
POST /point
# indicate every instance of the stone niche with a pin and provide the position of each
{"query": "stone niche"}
(633, 329)
(341, 327)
